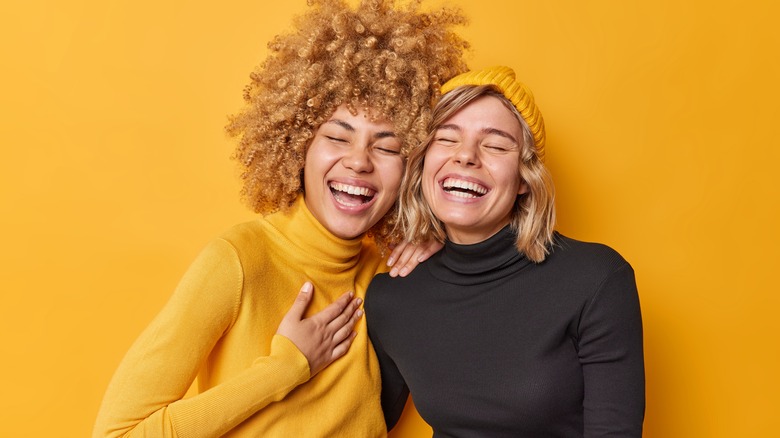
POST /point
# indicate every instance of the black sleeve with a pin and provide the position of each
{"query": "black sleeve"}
(394, 389)
(610, 351)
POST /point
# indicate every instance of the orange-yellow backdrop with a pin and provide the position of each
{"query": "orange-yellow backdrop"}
(114, 173)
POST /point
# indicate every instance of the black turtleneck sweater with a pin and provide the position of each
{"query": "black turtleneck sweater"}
(494, 345)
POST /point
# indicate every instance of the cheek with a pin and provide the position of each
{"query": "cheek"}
(428, 183)
(434, 161)
(519, 185)
(392, 173)
(319, 160)
(309, 175)
(310, 159)
(396, 173)
(508, 175)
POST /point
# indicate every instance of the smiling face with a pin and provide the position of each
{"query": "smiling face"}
(471, 176)
(352, 172)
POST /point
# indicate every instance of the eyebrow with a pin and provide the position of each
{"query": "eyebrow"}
(350, 128)
(488, 131)
(343, 124)
(500, 133)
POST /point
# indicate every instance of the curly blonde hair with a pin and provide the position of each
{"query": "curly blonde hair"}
(388, 61)
(533, 215)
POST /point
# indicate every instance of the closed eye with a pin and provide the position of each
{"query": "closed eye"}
(336, 139)
(445, 140)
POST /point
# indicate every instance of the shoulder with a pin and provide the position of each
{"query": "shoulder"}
(381, 300)
(386, 292)
(214, 280)
(587, 253)
(379, 287)
(250, 240)
(229, 254)
(371, 258)
(244, 234)
(586, 261)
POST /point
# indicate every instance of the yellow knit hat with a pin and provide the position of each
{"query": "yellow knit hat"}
(517, 93)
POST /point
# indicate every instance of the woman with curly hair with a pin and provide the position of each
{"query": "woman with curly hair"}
(527, 333)
(330, 116)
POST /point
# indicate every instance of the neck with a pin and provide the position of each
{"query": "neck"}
(473, 235)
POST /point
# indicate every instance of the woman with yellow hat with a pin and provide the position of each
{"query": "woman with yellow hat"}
(329, 118)
(512, 329)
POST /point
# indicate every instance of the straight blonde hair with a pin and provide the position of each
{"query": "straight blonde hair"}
(533, 215)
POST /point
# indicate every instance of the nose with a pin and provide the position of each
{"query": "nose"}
(357, 159)
(466, 154)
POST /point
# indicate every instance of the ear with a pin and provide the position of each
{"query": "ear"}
(523, 188)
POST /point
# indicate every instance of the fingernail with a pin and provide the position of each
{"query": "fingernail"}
(351, 294)
(390, 261)
(394, 272)
(306, 287)
(404, 271)
(359, 313)
(359, 301)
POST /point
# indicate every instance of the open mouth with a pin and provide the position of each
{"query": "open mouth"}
(463, 189)
(351, 195)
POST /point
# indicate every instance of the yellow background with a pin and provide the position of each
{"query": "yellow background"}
(114, 172)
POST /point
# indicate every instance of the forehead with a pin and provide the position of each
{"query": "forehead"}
(486, 112)
(364, 120)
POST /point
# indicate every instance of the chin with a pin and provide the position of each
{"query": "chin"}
(348, 232)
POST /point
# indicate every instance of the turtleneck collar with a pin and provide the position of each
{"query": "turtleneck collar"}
(312, 240)
(481, 262)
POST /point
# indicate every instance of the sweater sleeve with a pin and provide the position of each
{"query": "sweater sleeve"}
(610, 351)
(394, 388)
(145, 396)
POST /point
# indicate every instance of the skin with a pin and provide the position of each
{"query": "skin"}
(325, 336)
(471, 175)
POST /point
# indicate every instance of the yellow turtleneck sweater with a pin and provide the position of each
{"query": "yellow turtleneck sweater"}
(220, 325)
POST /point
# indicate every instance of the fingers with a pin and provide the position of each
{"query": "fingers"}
(402, 259)
(396, 253)
(301, 302)
(407, 261)
(429, 248)
(345, 323)
(342, 348)
(325, 336)
(334, 309)
(331, 338)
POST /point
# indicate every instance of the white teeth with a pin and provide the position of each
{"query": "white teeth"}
(352, 190)
(467, 185)
(462, 194)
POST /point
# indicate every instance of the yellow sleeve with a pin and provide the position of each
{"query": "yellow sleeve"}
(144, 397)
